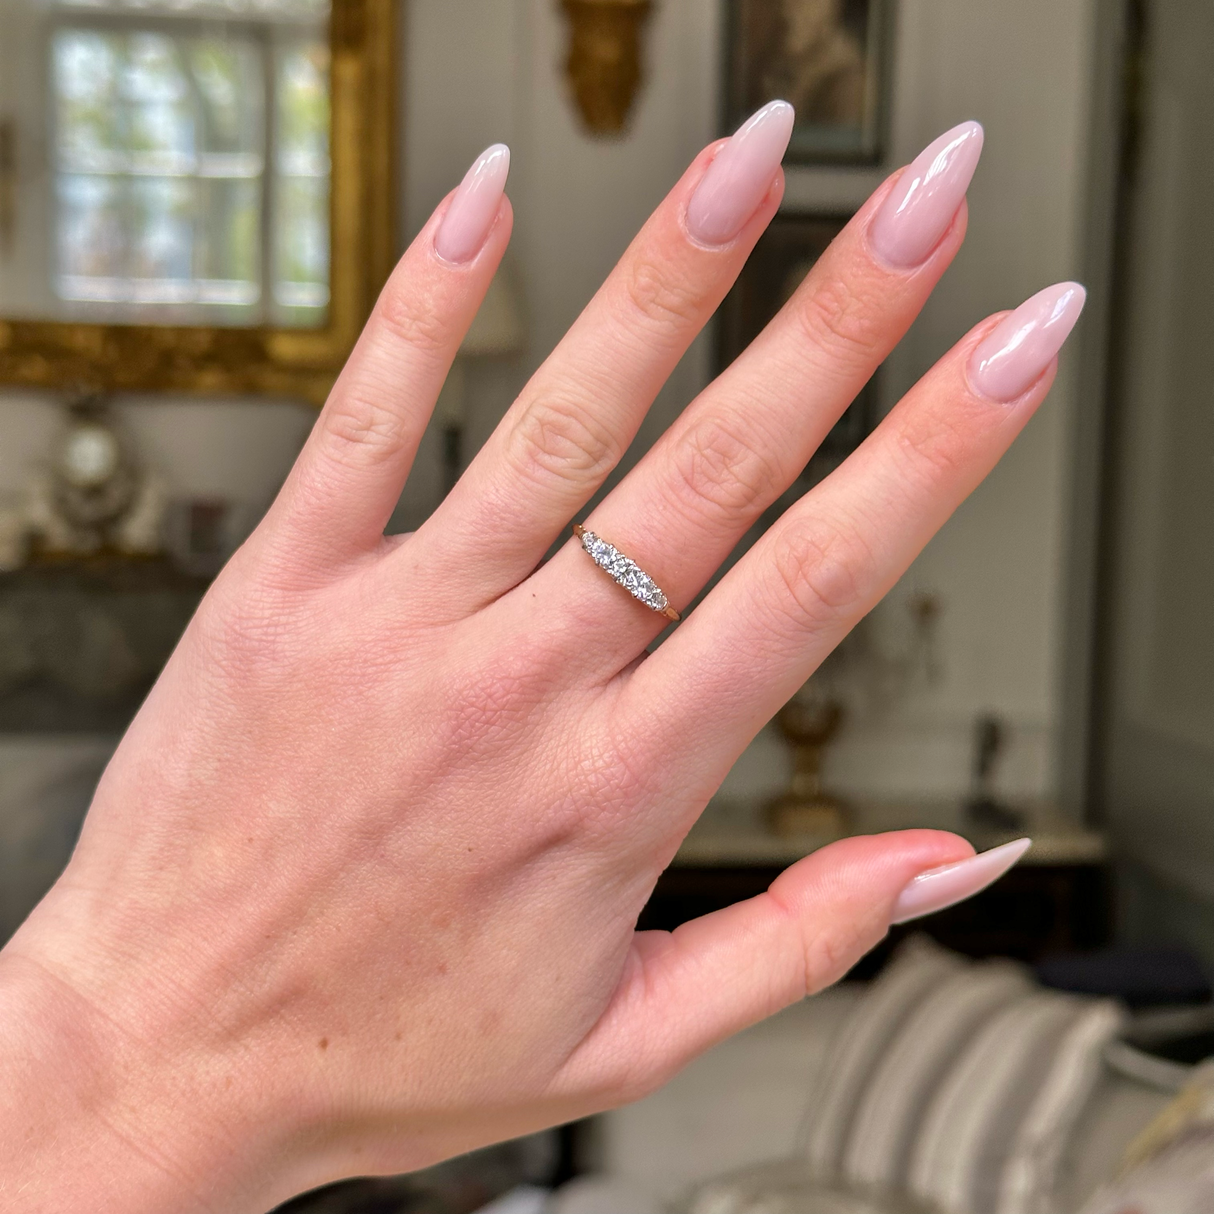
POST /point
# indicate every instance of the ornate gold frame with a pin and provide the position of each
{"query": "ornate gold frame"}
(262, 361)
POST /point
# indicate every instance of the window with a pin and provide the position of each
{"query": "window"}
(191, 160)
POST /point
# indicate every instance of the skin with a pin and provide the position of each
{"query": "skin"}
(358, 890)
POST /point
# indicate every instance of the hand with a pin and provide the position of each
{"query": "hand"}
(358, 889)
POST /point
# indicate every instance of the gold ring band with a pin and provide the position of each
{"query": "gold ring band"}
(624, 571)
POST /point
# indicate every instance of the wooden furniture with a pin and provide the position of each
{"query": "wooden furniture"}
(82, 639)
(1058, 899)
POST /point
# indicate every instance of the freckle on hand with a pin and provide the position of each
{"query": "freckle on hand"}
(323, 1043)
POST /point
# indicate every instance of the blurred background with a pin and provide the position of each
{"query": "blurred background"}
(198, 202)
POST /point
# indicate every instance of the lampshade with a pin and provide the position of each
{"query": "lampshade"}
(498, 327)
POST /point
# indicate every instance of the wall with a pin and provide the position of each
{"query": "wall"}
(482, 70)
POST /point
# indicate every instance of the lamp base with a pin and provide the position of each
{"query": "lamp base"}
(789, 815)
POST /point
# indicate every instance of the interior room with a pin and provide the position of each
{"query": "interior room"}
(200, 201)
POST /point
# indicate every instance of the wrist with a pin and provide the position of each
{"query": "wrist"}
(101, 1114)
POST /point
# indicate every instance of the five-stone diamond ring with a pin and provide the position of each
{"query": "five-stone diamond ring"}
(625, 571)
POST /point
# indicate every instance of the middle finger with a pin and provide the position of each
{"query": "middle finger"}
(576, 417)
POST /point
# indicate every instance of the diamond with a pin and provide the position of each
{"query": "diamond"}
(625, 571)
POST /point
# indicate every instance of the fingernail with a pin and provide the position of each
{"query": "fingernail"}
(1021, 345)
(472, 210)
(740, 176)
(922, 204)
(940, 887)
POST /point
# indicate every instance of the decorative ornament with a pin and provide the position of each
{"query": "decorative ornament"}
(805, 808)
(93, 496)
(604, 61)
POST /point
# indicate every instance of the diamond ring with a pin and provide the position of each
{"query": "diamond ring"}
(625, 571)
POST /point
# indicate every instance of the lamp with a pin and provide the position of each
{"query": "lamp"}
(497, 331)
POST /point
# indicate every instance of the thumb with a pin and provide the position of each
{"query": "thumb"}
(683, 991)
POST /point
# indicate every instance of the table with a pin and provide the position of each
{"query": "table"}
(1056, 900)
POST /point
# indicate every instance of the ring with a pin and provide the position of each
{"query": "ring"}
(625, 572)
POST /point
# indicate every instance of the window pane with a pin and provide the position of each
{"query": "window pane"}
(303, 110)
(160, 113)
(91, 237)
(229, 231)
(301, 201)
(302, 244)
(293, 9)
(229, 83)
(85, 68)
(162, 234)
(230, 89)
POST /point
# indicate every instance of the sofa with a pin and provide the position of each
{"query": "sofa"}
(945, 1086)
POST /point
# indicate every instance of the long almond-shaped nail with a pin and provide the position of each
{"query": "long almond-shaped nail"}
(940, 887)
(1022, 345)
(740, 176)
(474, 206)
(925, 198)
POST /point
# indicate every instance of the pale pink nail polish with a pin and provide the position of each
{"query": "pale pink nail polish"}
(740, 176)
(1022, 345)
(940, 887)
(474, 206)
(926, 197)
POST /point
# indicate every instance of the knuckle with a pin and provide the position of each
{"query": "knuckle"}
(407, 319)
(248, 637)
(495, 708)
(825, 948)
(557, 438)
(821, 572)
(362, 431)
(834, 314)
(663, 302)
(608, 785)
(932, 450)
(830, 950)
(720, 471)
(611, 773)
(824, 952)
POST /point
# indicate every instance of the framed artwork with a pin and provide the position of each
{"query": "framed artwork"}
(784, 255)
(827, 57)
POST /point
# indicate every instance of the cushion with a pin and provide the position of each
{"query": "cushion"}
(1030, 1180)
(917, 969)
(972, 1121)
(890, 1112)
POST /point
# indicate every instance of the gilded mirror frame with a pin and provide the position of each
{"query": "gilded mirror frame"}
(280, 362)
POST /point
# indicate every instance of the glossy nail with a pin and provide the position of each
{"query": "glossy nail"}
(474, 206)
(1023, 344)
(925, 198)
(740, 176)
(940, 887)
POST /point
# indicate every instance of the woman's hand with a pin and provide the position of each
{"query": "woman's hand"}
(358, 889)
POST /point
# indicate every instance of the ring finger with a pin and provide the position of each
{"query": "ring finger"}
(748, 435)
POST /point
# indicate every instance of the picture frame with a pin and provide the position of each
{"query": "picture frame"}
(783, 256)
(260, 360)
(829, 58)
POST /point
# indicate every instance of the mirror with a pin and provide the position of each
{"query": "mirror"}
(194, 194)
